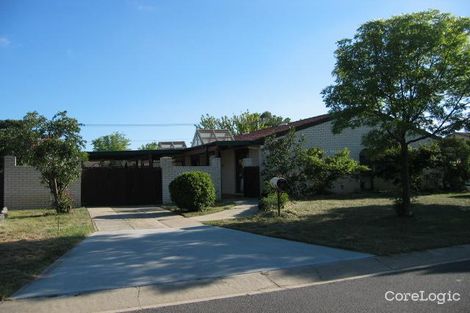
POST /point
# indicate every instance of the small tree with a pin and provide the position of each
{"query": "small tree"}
(283, 158)
(54, 149)
(308, 171)
(401, 76)
(112, 142)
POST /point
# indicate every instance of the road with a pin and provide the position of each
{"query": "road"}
(358, 295)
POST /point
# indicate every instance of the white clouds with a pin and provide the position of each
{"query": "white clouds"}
(4, 42)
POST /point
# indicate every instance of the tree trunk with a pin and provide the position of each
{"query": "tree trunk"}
(55, 193)
(404, 208)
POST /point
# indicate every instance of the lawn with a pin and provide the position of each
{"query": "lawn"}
(218, 207)
(30, 241)
(367, 223)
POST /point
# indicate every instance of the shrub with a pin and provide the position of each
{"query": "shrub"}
(193, 191)
(269, 202)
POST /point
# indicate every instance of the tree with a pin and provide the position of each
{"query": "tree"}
(112, 142)
(149, 146)
(283, 158)
(408, 77)
(455, 162)
(20, 147)
(321, 170)
(308, 171)
(385, 163)
(53, 148)
(243, 123)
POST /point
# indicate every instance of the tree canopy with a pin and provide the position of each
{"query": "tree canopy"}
(149, 146)
(112, 142)
(408, 77)
(243, 123)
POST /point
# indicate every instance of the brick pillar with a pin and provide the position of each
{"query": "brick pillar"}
(216, 170)
(166, 164)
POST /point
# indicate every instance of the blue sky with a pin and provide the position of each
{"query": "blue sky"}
(136, 61)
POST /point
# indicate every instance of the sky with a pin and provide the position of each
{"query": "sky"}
(169, 62)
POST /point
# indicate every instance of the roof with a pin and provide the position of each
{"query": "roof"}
(172, 144)
(284, 128)
(205, 136)
(128, 154)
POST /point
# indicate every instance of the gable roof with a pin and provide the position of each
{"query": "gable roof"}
(205, 136)
(284, 128)
(172, 145)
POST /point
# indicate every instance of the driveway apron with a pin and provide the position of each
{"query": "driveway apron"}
(148, 245)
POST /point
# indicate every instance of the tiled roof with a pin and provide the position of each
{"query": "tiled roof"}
(300, 124)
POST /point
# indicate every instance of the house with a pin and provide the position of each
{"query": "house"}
(242, 156)
(235, 164)
(239, 159)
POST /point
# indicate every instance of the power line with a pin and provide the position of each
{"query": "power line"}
(136, 125)
(158, 140)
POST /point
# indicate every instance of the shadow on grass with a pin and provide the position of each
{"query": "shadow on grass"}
(372, 229)
(21, 261)
(463, 196)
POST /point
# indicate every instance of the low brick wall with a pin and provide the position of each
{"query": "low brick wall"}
(23, 188)
(170, 172)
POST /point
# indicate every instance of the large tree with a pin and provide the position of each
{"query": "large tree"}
(112, 142)
(243, 123)
(408, 77)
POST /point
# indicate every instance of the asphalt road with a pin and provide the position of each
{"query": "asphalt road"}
(359, 295)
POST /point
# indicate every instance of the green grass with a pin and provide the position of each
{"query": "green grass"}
(30, 241)
(367, 223)
(218, 207)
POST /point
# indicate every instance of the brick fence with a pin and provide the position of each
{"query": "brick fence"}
(23, 188)
(170, 172)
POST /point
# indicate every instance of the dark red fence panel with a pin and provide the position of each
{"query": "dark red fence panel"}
(121, 186)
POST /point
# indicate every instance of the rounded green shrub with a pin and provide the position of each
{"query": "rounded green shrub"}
(193, 191)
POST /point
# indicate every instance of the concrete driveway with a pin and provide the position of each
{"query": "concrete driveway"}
(142, 246)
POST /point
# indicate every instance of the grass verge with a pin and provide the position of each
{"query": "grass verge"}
(30, 240)
(367, 223)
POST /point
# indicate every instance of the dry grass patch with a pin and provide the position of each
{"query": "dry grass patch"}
(30, 240)
(367, 223)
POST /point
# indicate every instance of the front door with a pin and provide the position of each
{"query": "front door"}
(239, 156)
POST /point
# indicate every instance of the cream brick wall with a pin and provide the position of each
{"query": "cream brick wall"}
(322, 136)
(170, 172)
(23, 188)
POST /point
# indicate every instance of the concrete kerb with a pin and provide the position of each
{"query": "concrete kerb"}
(152, 296)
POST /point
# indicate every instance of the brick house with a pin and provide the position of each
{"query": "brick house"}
(142, 177)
